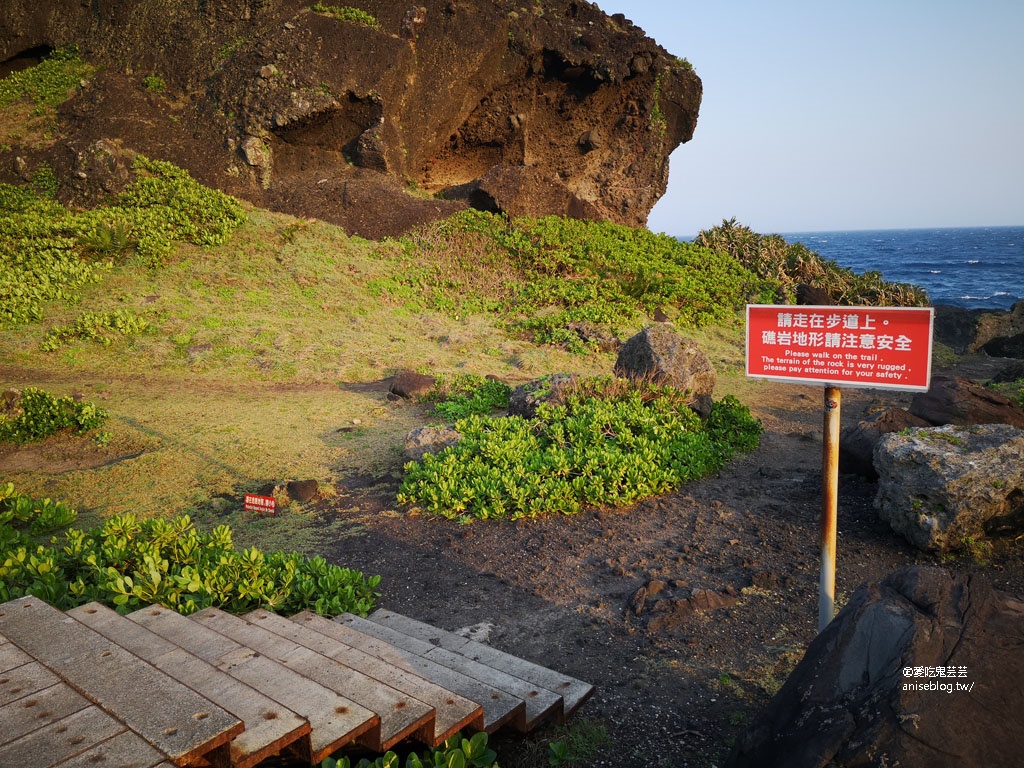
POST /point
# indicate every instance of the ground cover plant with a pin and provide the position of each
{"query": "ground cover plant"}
(42, 414)
(456, 752)
(128, 563)
(461, 395)
(545, 274)
(47, 84)
(49, 252)
(612, 442)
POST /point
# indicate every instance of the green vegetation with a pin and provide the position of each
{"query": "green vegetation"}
(128, 564)
(540, 275)
(789, 265)
(457, 752)
(47, 84)
(462, 395)
(611, 442)
(348, 14)
(101, 327)
(578, 744)
(43, 414)
(153, 82)
(45, 248)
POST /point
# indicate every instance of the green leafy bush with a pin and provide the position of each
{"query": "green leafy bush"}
(154, 82)
(49, 83)
(465, 394)
(611, 442)
(546, 273)
(347, 13)
(791, 264)
(48, 252)
(43, 414)
(457, 752)
(101, 327)
(127, 563)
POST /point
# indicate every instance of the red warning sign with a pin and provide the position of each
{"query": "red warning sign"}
(265, 504)
(882, 347)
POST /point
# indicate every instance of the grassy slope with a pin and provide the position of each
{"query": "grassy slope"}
(280, 324)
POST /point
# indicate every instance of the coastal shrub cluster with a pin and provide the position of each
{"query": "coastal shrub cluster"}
(48, 252)
(456, 397)
(545, 274)
(47, 84)
(791, 264)
(610, 442)
(42, 414)
(101, 327)
(129, 563)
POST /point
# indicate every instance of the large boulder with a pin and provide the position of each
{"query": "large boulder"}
(660, 354)
(559, 109)
(411, 385)
(919, 670)
(944, 487)
(956, 400)
(857, 442)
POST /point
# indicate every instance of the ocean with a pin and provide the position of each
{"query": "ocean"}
(973, 267)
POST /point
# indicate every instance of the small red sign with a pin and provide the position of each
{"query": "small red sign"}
(254, 503)
(881, 347)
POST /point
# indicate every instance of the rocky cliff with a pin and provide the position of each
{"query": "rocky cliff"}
(377, 117)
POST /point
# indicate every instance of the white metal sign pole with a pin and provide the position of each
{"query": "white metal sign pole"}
(829, 506)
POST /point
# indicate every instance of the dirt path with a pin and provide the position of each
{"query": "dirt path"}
(674, 687)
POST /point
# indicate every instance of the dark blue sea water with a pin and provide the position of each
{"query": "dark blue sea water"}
(974, 267)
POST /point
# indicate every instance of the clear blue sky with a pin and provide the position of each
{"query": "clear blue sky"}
(822, 115)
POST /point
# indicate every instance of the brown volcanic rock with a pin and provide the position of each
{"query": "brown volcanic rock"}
(869, 690)
(956, 400)
(558, 110)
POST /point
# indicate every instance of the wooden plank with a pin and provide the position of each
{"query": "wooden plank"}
(400, 715)
(454, 713)
(574, 692)
(335, 719)
(174, 719)
(12, 656)
(61, 739)
(126, 750)
(24, 681)
(500, 708)
(38, 710)
(540, 703)
(269, 727)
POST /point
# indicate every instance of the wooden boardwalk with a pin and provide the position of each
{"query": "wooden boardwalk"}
(96, 689)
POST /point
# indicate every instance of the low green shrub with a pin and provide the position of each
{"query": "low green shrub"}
(153, 82)
(792, 264)
(347, 13)
(101, 327)
(48, 252)
(127, 563)
(456, 397)
(457, 752)
(610, 443)
(47, 84)
(540, 275)
(43, 414)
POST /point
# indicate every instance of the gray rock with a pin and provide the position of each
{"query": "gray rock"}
(424, 440)
(525, 398)
(857, 443)
(661, 354)
(943, 487)
(868, 692)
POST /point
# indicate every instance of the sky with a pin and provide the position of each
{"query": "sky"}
(829, 115)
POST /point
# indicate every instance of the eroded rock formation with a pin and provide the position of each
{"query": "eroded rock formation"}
(527, 108)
